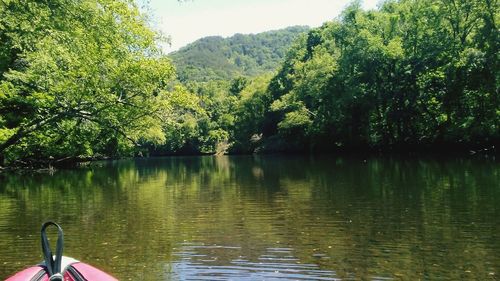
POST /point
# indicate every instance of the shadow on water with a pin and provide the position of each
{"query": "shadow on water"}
(264, 217)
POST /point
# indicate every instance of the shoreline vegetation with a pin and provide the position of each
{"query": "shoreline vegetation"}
(87, 80)
(52, 165)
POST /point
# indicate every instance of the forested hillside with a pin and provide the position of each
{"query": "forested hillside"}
(215, 58)
(413, 74)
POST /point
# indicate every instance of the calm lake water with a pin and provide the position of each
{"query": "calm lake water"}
(264, 218)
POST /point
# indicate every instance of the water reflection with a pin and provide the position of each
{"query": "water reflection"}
(272, 217)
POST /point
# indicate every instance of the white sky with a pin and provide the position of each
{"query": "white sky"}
(188, 20)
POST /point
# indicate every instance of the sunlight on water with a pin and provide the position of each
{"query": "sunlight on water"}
(202, 262)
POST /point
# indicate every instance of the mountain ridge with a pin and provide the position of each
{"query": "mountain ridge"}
(248, 55)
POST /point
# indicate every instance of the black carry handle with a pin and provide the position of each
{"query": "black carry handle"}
(53, 266)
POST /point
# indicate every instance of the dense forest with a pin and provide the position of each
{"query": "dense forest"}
(414, 73)
(82, 79)
(411, 75)
(217, 58)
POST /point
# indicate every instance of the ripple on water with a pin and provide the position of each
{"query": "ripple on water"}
(200, 262)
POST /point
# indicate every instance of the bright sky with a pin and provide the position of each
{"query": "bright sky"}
(188, 20)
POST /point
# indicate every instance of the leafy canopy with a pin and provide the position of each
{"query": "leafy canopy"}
(79, 77)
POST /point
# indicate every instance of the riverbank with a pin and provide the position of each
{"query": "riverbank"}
(32, 165)
(51, 164)
(279, 146)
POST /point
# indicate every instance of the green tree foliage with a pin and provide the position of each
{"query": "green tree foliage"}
(181, 125)
(217, 103)
(225, 116)
(202, 122)
(411, 73)
(250, 114)
(213, 58)
(79, 78)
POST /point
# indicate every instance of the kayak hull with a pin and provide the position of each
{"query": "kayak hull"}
(73, 271)
(29, 274)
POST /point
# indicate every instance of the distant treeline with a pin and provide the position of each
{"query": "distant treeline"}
(83, 79)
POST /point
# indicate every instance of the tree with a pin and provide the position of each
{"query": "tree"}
(250, 112)
(78, 77)
(410, 73)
